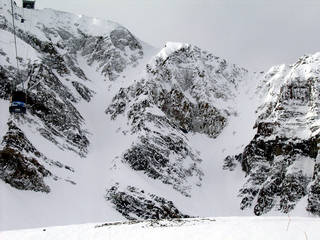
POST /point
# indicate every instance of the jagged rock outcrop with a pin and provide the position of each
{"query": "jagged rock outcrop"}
(280, 161)
(178, 95)
(110, 52)
(162, 151)
(191, 87)
(314, 193)
(276, 173)
(18, 164)
(135, 204)
(167, 158)
(22, 172)
(185, 90)
(84, 92)
(6, 78)
(51, 101)
(22, 165)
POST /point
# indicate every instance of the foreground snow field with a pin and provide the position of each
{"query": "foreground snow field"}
(233, 228)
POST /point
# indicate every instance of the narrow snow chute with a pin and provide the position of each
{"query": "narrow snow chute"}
(18, 102)
(28, 4)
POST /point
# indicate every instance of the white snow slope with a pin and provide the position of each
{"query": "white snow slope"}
(251, 228)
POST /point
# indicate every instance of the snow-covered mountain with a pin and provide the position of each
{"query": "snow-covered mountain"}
(116, 129)
(281, 161)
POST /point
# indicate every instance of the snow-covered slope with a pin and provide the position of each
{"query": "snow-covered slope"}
(213, 228)
(116, 129)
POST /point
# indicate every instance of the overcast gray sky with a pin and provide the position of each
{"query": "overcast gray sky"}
(255, 34)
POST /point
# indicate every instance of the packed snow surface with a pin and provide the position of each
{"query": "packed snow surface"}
(235, 228)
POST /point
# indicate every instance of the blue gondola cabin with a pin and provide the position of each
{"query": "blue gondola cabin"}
(18, 102)
(28, 4)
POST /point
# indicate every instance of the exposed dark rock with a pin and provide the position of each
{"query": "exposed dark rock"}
(177, 97)
(51, 102)
(21, 164)
(109, 52)
(2, 52)
(7, 77)
(15, 139)
(171, 82)
(280, 161)
(314, 194)
(167, 158)
(270, 181)
(231, 162)
(135, 204)
(201, 117)
(122, 38)
(84, 92)
(71, 63)
(22, 172)
(162, 151)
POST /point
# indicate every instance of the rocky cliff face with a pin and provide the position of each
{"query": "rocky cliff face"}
(185, 90)
(17, 168)
(281, 160)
